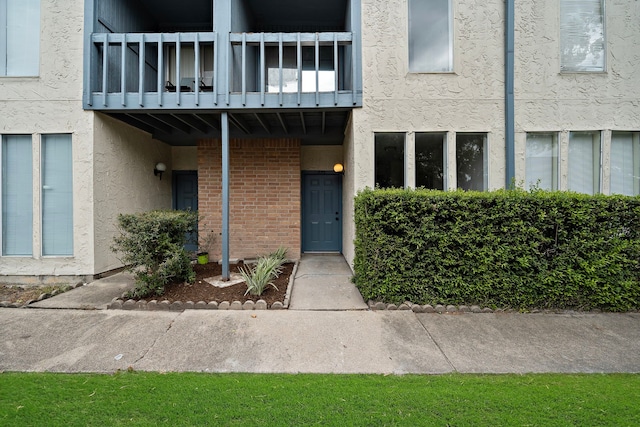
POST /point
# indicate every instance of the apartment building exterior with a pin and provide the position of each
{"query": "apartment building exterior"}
(249, 105)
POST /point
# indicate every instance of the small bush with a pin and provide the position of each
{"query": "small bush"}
(151, 245)
(504, 249)
(261, 275)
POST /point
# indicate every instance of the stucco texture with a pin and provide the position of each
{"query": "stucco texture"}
(52, 103)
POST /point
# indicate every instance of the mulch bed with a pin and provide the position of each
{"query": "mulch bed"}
(203, 291)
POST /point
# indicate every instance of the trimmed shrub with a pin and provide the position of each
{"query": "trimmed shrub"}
(507, 249)
(151, 245)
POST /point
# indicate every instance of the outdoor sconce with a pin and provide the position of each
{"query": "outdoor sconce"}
(338, 168)
(159, 169)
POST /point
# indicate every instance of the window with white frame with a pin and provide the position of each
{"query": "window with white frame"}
(430, 36)
(389, 160)
(625, 163)
(584, 162)
(16, 191)
(471, 161)
(19, 37)
(430, 160)
(541, 169)
(582, 36)
(57, 195)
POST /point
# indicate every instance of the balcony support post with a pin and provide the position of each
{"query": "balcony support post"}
(160, 69)
(224, 124)
(123, 70)
(196, 66)
(263, 65)
(141, 67)
(317, 69)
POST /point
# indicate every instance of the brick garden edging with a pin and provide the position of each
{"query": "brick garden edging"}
(120, 303)
(7, 304)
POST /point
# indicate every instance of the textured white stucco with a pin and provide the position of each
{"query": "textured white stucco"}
(124, 181)
(52, 103)
(320, 157)
(184, 158)
(469, 99)
(548, 100)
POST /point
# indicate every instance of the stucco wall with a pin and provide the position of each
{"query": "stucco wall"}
(184, 158)
(547, 100)
(124, 181)
(348, 193)
(320, 157)
(469, 99)
(52, 103)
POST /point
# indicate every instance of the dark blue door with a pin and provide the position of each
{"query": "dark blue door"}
(185, 197)
(321, 212)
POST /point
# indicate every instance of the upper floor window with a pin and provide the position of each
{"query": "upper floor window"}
(430, 36)
(19, 37)
(582, 42)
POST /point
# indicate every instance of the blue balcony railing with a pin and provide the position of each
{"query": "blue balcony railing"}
(140, 71)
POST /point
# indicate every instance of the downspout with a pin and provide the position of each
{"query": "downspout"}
(509, 96)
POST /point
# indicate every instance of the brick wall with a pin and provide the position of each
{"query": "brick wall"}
(264, 195)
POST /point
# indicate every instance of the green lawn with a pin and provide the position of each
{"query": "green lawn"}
(246, 399)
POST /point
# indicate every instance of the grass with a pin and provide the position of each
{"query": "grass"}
(136, 398)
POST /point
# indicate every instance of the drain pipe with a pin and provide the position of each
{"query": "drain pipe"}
(509, 24)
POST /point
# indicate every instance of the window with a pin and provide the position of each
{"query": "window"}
(326, 70)
(57, 196)
(471, 161)
(625, 163)
(19, 37)
(389, 163)
(430, 160)
(17, 195)
(430, 36)
(584, 162)
(582, 43)
(542, 161)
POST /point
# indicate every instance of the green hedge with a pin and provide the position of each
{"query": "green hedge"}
(504, 249)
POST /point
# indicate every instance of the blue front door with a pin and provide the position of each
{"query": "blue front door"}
(185, 197)
(321, 212)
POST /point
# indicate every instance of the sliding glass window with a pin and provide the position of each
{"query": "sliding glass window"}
(57, 196)
(17, 195)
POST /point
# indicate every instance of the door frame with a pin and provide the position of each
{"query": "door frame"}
(304, 174)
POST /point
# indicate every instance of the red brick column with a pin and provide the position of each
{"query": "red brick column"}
(264, 193)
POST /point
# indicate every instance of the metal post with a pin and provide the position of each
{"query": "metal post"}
(224, 121)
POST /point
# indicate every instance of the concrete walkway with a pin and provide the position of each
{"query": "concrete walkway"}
(291, 341)
(323, 282)
(326, 330)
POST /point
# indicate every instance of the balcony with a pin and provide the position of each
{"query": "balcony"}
(280, 68)
(187, 71)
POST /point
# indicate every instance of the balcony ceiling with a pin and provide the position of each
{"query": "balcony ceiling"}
(279, 15)
(185, 128)
(192, 15)
(266, 15)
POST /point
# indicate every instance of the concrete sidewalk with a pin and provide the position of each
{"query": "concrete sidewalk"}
(381, 342)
